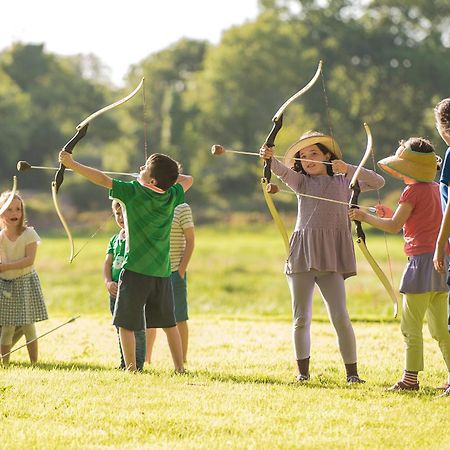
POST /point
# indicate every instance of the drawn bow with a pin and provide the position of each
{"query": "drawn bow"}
(59, 176)
(267, 187)
(361, 236)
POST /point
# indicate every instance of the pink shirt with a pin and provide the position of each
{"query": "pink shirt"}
(421, 229)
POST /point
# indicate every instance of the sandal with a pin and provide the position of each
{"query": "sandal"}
(402, 386)
(300, 378)
(354, 379)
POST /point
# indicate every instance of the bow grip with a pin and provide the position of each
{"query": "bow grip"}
(270, 142)
(59, 176)
(356, 190)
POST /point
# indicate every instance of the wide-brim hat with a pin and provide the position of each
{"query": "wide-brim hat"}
(406, 162)
(331, 145)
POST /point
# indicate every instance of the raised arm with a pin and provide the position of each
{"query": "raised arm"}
(186, 181)
(93, 175)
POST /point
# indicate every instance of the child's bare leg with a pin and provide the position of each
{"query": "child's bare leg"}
(17, 335)
(32, 348)
(174, 341)
(184, 334)
(128, 343)
(150, 336)
(5, 349)
(29, 331)
(6, 341)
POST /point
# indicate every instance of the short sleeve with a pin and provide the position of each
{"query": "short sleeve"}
(445, 171)
(31, 236)
(110, 248)
(185, 216)
(178, 193)
(121, 190)
(409, 195)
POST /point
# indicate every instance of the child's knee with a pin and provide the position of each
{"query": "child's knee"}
(7, 334)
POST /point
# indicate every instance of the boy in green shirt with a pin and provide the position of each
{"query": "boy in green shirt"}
(147, 204)
(112, 267)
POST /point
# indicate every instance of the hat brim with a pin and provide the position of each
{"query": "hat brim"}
(331, 145)
(399, 168)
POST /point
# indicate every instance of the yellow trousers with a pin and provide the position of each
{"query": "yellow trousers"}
(415, 307)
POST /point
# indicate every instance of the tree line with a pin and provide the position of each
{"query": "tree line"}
(385, 63)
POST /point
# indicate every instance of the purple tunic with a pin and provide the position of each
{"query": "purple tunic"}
(322, 238)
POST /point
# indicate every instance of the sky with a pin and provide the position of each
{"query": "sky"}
(119, 33)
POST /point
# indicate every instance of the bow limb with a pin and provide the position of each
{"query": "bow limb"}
(361, 236)
(270, 142)
(380, 274)
(63, 221)
(275, 215)
(8, 201)
(298, 94)
(82, 130)
(80, 133)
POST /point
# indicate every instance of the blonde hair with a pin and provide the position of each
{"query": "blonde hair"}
(4, 197)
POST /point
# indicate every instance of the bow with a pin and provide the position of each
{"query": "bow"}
(267, 187)
(361, 236)
(59, 176)
(8, 201)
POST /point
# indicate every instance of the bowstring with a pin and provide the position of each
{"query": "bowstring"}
(384, 232)
(144, 116)
(103, 224)
(327, 110)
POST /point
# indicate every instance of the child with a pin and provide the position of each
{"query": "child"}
(147, 205)
(442, 120)
(21, 300)
(111, 271)
(424, 289)
(182, 240)
(321, 246)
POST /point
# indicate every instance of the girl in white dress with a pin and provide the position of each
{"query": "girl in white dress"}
(21, 300)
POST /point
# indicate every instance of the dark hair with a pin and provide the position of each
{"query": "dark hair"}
(298, 164)
(164, 170)
(442, 114)
(418, 144)
(421, 145)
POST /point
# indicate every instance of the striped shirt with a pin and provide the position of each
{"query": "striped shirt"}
(182, 220)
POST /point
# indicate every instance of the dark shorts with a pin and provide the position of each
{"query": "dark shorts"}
(179, 286)
(144, 301)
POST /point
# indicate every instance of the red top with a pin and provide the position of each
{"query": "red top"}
(421, 229)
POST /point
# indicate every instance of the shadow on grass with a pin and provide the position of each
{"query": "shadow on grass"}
(63, 366)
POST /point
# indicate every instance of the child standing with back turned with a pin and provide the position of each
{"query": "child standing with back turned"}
(321, 246)
(21, 300)
(182, 241)
(424, 289)
(147, 204)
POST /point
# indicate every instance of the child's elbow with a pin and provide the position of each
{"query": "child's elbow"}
(188, 182)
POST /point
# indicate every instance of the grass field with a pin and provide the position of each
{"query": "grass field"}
(239, 392)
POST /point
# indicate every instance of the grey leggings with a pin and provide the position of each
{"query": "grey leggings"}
(332, 290)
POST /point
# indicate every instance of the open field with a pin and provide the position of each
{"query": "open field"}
(239, 392)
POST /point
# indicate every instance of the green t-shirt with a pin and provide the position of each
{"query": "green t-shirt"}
(116, 247)
(148, 218)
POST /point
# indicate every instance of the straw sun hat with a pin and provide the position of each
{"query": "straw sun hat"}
(311, 139)
(419, 166)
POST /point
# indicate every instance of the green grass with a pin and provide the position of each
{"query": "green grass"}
(239, 392)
